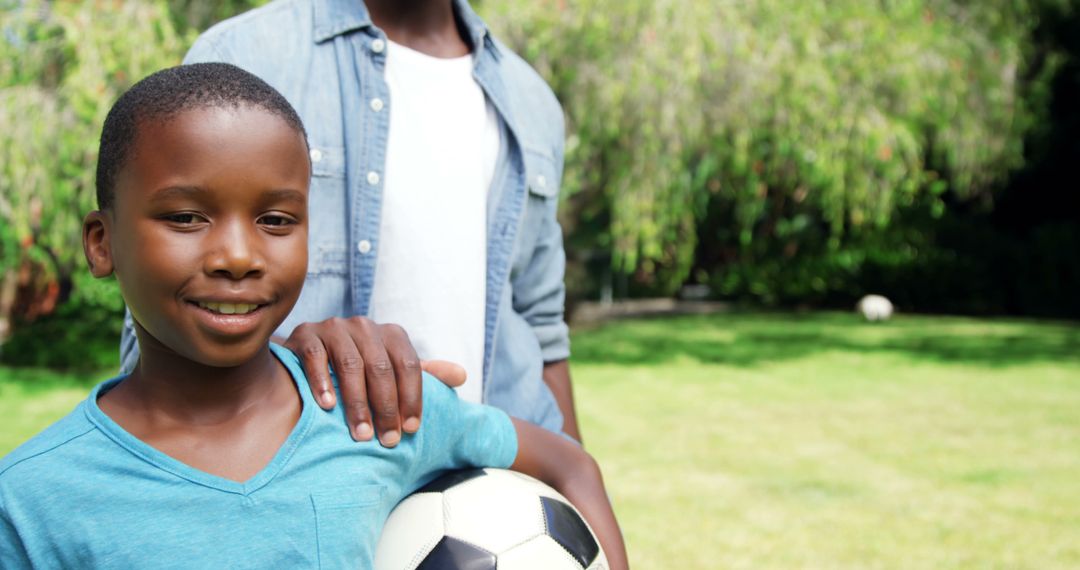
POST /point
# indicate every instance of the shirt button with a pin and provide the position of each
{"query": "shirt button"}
(541, 181)
(316, 155)
(376, 104)
(377, 45)
(364, 246)
(373, 178)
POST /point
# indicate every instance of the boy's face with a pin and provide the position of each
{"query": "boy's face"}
(208, 232)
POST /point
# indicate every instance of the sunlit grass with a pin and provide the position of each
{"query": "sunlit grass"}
(806, 441)
(779, 441)
(32, 398)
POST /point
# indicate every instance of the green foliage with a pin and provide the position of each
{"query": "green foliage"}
(779, 150)
(805, 121)
(82, 334)
(62, 64)
(193, 16)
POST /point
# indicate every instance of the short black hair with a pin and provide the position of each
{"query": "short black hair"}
(169, 92)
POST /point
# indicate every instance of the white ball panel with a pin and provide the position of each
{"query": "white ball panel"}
(508, 473)
(414, 527)
(528, 484)
(494, 512)
(540, 553)
(543, 490)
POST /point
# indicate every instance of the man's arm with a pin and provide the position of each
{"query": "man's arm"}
(574, 473)
(557, 377)
(540, 298)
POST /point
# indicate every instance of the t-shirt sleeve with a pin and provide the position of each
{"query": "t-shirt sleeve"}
(455, 434)
(13, 554)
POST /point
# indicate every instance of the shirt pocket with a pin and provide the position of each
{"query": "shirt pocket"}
(541, 179)
(347, 522)
(328, 211)
(541, 174)
(327, 161)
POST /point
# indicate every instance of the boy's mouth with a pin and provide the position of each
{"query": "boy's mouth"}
(228, 308)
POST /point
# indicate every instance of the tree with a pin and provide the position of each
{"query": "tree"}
(62, 64)
(780, 124)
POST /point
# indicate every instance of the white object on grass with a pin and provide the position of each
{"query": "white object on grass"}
(875, 308)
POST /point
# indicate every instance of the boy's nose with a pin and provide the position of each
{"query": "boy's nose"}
(235, 253)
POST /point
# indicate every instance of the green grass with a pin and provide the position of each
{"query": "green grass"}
(818, 441)
(32, 398)
(807, 441)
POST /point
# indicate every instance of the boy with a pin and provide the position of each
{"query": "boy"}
(212, 452)
(382, 87)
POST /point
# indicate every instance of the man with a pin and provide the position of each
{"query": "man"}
(436, 156)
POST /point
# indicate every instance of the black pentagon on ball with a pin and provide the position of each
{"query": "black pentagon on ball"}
(451, 479)
(453, 554)
(566, 527)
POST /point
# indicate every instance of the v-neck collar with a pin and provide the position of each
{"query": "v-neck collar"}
(166, 463)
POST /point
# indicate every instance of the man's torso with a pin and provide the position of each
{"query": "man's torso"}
(441, 156)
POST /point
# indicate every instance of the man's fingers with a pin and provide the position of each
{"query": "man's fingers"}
(349, 366)
(378, 372)
(313, 356)
(381, 386)
(450, 373)
(410, 396)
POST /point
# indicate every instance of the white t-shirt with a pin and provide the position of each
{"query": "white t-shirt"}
(431, 270)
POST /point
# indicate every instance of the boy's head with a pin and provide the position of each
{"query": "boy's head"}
(169, 92)
(202, 187)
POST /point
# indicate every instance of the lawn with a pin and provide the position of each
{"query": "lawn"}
(32, 398)
(807, 441)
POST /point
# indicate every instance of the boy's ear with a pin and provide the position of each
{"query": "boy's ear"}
(96, 244)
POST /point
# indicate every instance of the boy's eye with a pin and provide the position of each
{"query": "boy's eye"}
(276, 220)
(183, 218)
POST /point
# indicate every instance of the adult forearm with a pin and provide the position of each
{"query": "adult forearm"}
(557, 377)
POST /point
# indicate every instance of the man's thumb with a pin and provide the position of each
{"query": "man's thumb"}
(449, 373)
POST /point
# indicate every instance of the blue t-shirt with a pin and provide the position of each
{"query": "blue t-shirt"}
(86, 494)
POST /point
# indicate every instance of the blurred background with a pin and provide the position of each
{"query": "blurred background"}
(776, 158)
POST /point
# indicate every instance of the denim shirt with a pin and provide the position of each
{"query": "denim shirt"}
(328, 59)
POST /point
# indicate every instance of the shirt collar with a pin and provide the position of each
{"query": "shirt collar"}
(336, 17)
(475, 27)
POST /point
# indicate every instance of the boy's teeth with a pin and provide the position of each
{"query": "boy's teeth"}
(229, 308)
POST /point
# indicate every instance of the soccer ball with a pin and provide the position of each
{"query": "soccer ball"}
(487, 519)
(875, 308)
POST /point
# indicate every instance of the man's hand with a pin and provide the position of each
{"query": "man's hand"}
(378, 372)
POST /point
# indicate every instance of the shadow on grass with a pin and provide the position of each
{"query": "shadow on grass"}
(752, 339)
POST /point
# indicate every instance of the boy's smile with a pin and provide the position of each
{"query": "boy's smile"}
(208, 232)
